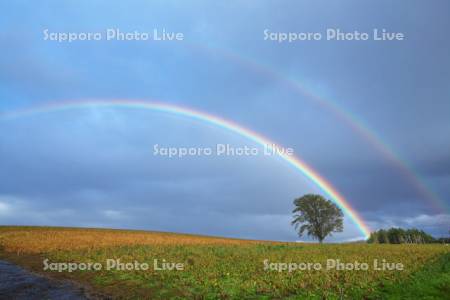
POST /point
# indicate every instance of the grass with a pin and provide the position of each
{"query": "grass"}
(431, 282)
(219, 268)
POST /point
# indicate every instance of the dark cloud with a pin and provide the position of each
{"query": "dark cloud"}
(94, 167)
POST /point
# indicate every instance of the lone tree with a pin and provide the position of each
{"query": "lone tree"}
(317, 216)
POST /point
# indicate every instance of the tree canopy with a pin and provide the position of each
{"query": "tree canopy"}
(400, 236)
(317, 216)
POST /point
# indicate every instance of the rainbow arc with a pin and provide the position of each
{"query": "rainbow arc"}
(229, 125)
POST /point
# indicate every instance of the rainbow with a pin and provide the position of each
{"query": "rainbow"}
(293, 161)
(351, 120)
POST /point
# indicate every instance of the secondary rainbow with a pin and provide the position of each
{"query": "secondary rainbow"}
(344, 116)
(257, 138)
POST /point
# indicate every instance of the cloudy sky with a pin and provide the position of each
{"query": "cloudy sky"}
(372, 117)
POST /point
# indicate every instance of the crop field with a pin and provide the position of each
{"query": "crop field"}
(220, 268)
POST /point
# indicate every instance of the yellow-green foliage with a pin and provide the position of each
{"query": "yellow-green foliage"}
(218, 267)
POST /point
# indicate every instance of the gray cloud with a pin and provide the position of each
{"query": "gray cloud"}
(95, 167)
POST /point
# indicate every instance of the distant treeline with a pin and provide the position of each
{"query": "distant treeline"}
(403, 236)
